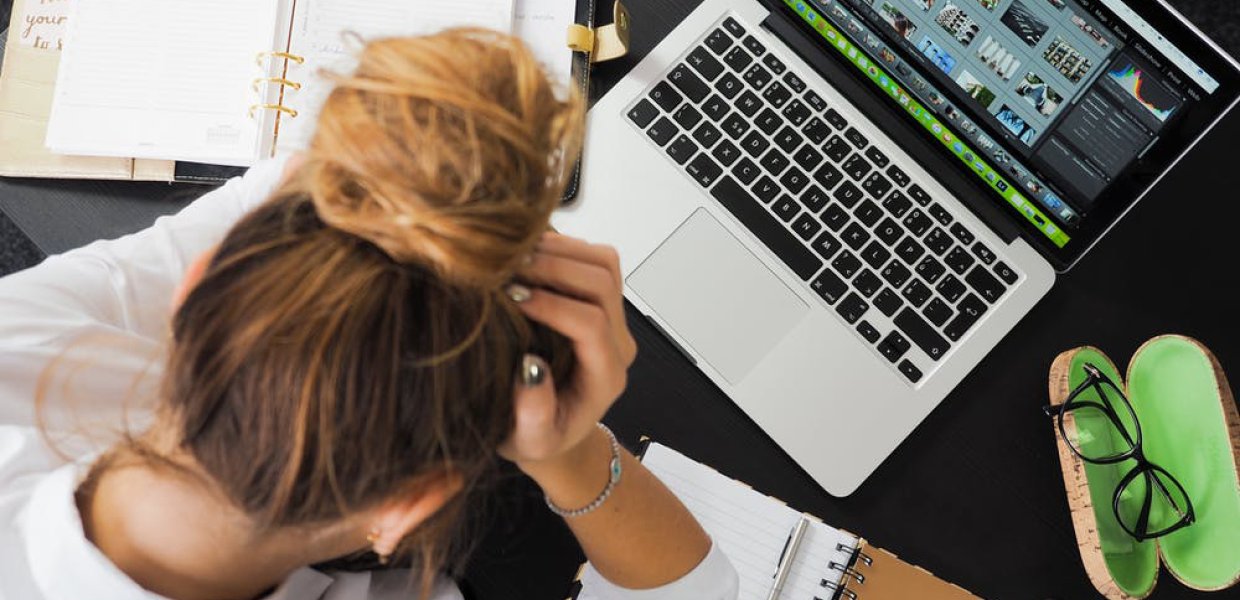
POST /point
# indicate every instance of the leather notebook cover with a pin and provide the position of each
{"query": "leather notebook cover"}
(885, 577)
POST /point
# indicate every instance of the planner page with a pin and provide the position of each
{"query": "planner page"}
(752, 529)
(328, 34)
(543, 25)
(162, 79)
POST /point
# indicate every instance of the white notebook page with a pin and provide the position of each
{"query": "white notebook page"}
(751, 528)
(543, 25)
(163, 79)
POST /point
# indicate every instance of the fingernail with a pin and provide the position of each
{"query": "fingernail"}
(533, 370)
(519, 293)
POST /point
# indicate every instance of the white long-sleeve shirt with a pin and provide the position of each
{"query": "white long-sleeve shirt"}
(102, 314)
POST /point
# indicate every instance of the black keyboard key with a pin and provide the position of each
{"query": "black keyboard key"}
(867, 283)
(746, 171)
(909, 250)
(796, 112)
(968, 312)
(894, 346)
(889, 231)
(868, 332)
(729, 86)
(815, 100)
(938, 241)
(806, 226)
(829, 286)
(707, 135)
(835, 217)
(767, 229)
(788, 139)
(726, 153)
(794, 83)
(856, 138)
(705, 64)
(868, 213)
(682, 149)
(718, 41)
(897, 203)
(738, 59)
(643, 113)
(937, 311)
(922, 334)
(855, 236)
(786, 208)
(836, 149)
(917, 222)
(768, 121)
(794, 180)
(940, 214)
(896, 274)
(733, 27)
(919, 195)
(888, 302)
(916, 292)
(754, 144)
(875, 255)
(704, 170)
(985, 284)
(959, 260)
(898, 175)
(777, 95)
(774, 64)
(826, 245)
(983, 253)
(1006, 273)
(857, 167)
(846, 264)
(852, 308)
(716, 108)
(848, 194)
(662, 131)
(910, 371)
(748, 103)
(666, 97)
(877, 185)
(757, 77)
(951, 289)
(765, 189)
(877, 157)
(775, 162)
(930, 269)
(828, 176)
(814, 199)
(735, 126)
(836, 119)
(807, 157)
(816, 130)
(754, 45)
(963, 234)
(686, 116)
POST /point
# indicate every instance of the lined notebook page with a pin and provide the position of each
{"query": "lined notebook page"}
(165, 79)
(751, 528)
(543, 25)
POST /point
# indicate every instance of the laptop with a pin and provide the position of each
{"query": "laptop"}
(837, 208)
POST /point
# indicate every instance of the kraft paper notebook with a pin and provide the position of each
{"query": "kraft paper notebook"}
(753, 530)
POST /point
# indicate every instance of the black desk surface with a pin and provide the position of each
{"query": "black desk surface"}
(975, 493)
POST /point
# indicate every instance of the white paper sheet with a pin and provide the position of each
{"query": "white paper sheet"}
(43, 24)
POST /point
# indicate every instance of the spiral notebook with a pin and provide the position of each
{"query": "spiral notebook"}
(754, 531)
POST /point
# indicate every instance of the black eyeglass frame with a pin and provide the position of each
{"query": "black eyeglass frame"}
(1095, 378)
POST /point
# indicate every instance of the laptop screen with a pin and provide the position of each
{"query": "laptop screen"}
(1066, 110)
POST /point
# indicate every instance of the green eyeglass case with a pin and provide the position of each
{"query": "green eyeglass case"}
(1191, 428)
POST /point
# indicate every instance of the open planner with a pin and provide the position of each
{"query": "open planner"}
(754, 531)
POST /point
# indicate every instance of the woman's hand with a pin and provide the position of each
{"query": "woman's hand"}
(576, 289)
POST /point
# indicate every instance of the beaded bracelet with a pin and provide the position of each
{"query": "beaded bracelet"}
(614, 471)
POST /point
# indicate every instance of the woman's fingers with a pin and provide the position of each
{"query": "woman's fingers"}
(536, 433)
(599, 255)
(601, 368)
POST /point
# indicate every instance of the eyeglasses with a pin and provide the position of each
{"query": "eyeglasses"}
(1148, 501)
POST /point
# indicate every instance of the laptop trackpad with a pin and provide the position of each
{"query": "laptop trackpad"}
(717, 295)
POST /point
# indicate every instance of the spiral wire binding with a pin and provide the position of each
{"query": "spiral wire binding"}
(841, 589)
(260, 82)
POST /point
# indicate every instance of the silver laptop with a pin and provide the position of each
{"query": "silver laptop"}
(836, 208)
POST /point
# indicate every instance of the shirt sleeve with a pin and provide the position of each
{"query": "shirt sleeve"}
(713, 579)
(117, 293)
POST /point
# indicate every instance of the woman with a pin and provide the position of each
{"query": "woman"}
(344, 366)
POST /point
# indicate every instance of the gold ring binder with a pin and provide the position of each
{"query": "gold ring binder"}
(279, 80)
(261, 56)
(280, 107)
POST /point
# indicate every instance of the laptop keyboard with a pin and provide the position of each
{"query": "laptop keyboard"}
(894, 264)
